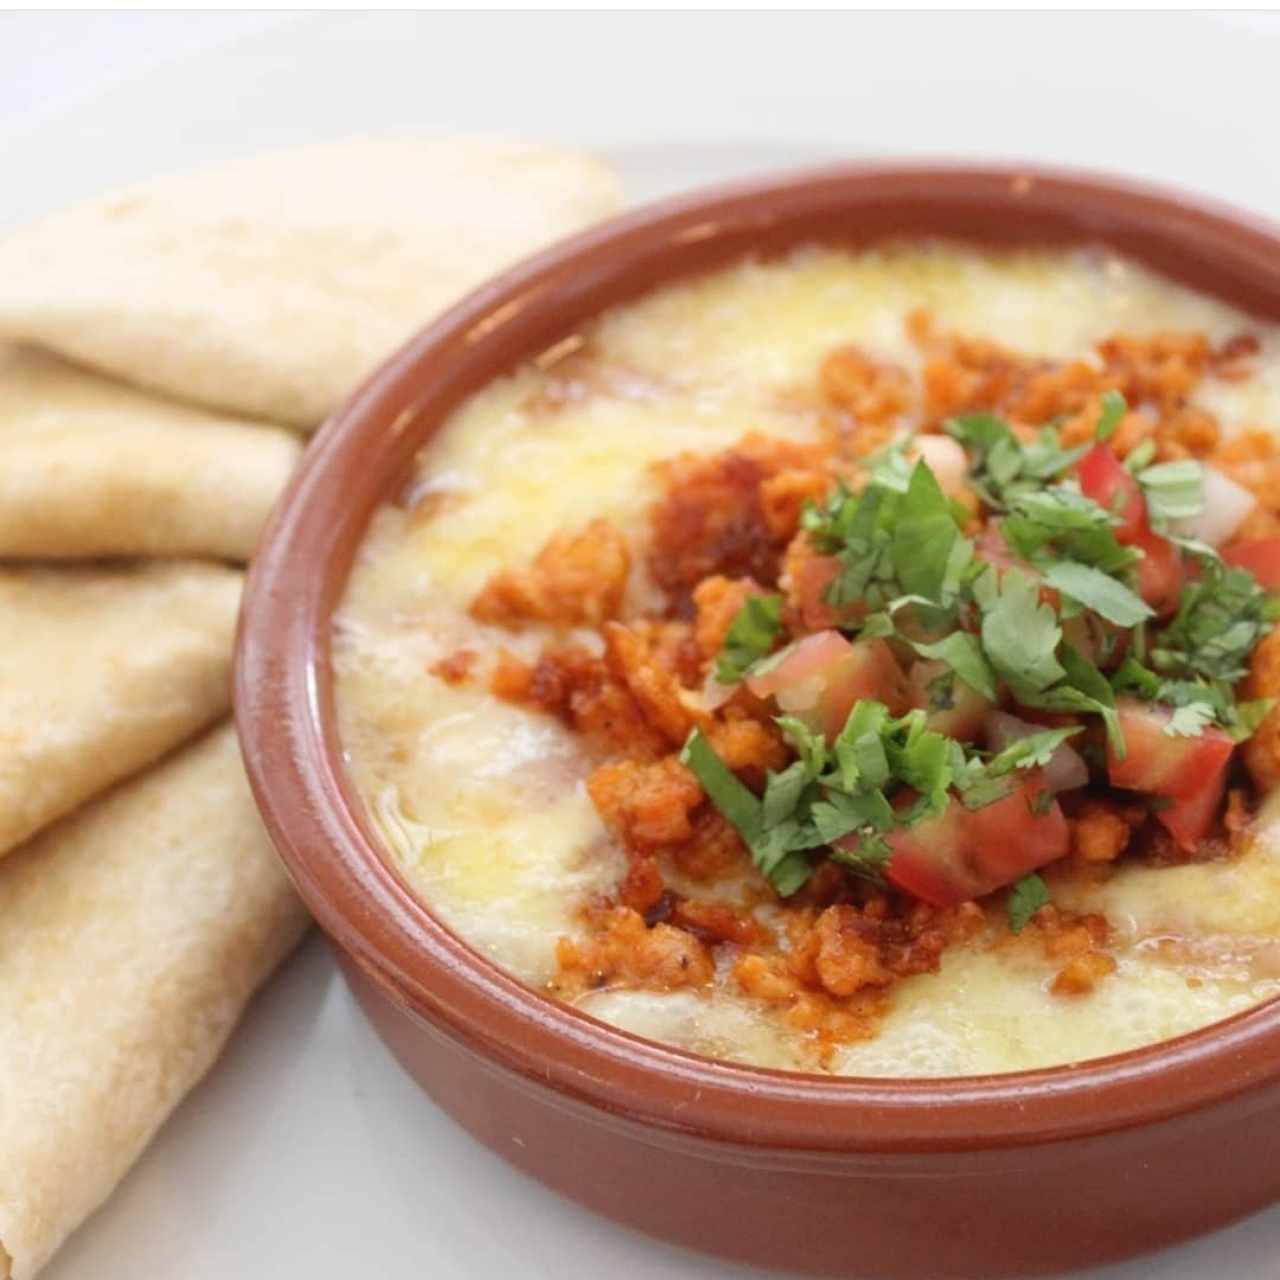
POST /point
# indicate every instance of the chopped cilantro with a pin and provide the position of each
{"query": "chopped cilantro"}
(1020, 633)
(1248, 716)
(1032, 752)
(752, 633)
(1173, 490)
(1095, 590)
(1196, 703)
(1025, 899)
(1005, 468)
(1114, 408)
(1220, 618)
(963, 653)
(1188, 721)
(1140, 456)
(924, 534)
(776, 849)
(868, 860)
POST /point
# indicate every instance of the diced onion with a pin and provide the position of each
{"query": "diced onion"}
(1066, 769)
(1226, 506)
(801, 696)
(945, 458)
(715, 694)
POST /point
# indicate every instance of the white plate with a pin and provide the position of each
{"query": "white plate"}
(308, 1154)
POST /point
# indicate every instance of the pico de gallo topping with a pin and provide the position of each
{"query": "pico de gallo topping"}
(1012, 615)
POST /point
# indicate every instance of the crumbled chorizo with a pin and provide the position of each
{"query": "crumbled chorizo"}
(648, 805)
(575, 580)
(846, 960)
(1262, 750)
(1161, 369)
(712, 521)
(642, 888)
(715, 848)
(1098, 833)
(455, 667)
(873, 391)
(1079, 976)
(622, 949)
(1190, 432)
(652, 686)
(716, 922)
(574, 685)
(783, 497)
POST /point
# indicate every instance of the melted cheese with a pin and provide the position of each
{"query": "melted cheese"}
(483, 806)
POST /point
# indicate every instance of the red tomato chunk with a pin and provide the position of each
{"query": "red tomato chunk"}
(1188, 771)
(965, 853)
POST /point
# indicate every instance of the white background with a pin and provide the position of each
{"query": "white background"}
(308, 1155)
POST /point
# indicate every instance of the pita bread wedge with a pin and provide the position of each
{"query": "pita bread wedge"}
(134, 933)
(89, 467)
(103, 670)
(271, 286)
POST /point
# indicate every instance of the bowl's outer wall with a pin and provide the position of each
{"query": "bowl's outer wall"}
(1004, 1175)
(974, 1215)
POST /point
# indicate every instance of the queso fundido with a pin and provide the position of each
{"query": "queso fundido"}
(856, 663)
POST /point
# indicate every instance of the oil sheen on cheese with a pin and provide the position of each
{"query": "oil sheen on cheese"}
(482, 805)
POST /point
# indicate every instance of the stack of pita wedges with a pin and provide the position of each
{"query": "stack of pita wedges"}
(163, 352)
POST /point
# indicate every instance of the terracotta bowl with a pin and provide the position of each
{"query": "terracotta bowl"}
(983, 1176)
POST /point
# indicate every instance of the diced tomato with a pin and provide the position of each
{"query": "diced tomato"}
(1189, 819)
(1160, 572)
(1104, 478)
(1016, 835)
(964, 854)
(1261, 556)
(929, 859)
(950, 706)
(1190, 771)
(819, 678)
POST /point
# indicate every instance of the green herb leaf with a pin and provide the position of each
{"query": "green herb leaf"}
(1220, 618)
(771, 849)
(1132, 677)
(925, 533)
(1173, 490)
(738, 804)
(752, 633)
(1095, 590)
(1032, 752)
(868, 860)
(1114, 408)
(782, 793)
(1020, 633)
(841, 814)
(963, 653)
(1025, 899)
(809, 746)
(1189, 721)
(1248, 716)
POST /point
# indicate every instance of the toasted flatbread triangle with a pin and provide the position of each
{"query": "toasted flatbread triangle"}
(134, 933)
(90, 467)
(271, 286)
(103, 670)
